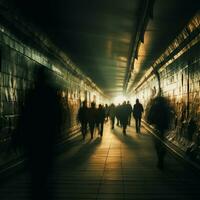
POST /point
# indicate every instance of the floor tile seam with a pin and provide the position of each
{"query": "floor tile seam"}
(123, 177)
(101, 181)
(123, 180)
(123, 183)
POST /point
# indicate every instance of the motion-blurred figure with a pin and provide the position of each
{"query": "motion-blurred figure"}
(159, 114)
(92, 115)
(118, 107)
(129, 107)
(100, 119)
(137, 114)
(39, 128)
(83, 118)
(124, 114)
(112, 113)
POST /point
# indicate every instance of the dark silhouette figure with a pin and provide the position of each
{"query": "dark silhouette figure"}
(100, 119)
(83, 118)
(124, 114)
(137, 114)
(92, 114)
(39, 127)
(118, 107)
(112, 114)
(129, 107)
(159, 115)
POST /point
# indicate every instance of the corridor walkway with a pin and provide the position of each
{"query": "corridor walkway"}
(114, 167)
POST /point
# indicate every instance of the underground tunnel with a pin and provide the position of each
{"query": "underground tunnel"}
(99, 99)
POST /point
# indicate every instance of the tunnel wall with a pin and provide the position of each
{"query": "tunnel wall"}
(19, 63)
(180, 83)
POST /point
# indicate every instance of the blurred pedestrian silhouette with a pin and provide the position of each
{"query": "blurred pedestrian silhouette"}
(112, 113)
(83, 118)
(118, 107)
(92, 114)
(137, 114)
(129, 108)
(100, 118)
(124, 115)
(159, 114)
(39, 128)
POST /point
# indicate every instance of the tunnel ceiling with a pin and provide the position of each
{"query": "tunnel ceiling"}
(101, 36)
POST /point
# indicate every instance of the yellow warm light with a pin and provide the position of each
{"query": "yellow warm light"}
(119, 99)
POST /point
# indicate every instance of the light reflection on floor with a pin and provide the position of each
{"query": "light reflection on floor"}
(112, 167)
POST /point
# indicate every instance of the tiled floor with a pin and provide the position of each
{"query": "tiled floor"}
(114, 167)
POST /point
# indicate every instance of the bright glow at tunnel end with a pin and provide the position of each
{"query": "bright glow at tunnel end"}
(119, 99)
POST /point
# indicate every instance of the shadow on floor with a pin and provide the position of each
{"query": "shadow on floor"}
(83, 153)
(126, 139)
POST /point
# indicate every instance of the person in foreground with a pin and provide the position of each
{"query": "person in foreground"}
(159, 114)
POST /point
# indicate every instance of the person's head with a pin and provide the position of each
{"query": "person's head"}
(92, 105)
(137, 100)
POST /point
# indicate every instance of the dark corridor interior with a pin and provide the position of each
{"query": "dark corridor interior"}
(103, 38)
(68, 68)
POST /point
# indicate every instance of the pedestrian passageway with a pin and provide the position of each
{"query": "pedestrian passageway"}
(112, 167)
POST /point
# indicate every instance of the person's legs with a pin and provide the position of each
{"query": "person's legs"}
(124, 129)
(161, 151)
(136, 125)
(124, 125)
(112, 122)
(129, 120)
(139, 124)
(83, 129)
(101, 128)
(91, 129)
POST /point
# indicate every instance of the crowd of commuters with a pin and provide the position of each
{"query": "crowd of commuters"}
(95, 117)
(92, 117)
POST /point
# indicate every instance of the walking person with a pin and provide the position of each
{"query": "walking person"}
(129, 107)
(92, 114)
(118, 107)
(137, 114)
(124, 114)
(100, 118)
(38, 130)
(82, 118)
(161, 123)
